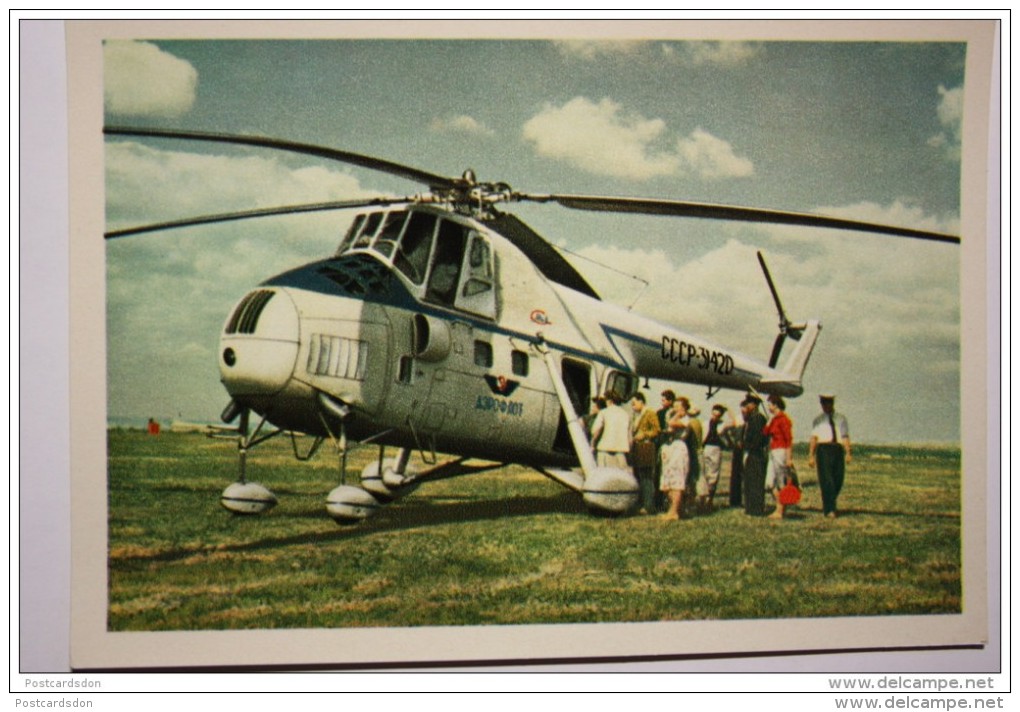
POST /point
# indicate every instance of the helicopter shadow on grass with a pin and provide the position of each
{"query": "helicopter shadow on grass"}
(456, 509)
(425, 513)
(406, 516)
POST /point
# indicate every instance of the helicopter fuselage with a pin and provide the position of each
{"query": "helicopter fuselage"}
(428, 330)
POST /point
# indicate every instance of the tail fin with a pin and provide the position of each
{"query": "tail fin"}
(788, 380)
(794, 367)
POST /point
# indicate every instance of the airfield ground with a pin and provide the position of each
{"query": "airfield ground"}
(510, 547)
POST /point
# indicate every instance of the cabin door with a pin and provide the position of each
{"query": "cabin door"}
(577, 379)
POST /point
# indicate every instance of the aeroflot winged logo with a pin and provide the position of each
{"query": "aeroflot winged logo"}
(540, 317)
(501, 385)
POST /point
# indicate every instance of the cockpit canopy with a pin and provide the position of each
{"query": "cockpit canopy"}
(451, 263)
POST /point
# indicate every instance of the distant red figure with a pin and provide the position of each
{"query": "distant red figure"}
(153, 427)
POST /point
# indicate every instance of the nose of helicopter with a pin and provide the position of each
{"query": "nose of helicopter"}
(259, 343)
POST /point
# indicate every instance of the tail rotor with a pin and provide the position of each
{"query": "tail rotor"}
(786, 328)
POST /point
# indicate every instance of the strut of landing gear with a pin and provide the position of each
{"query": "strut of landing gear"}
(606, 490)
(388, 479)
(243, 497)
(382, 482)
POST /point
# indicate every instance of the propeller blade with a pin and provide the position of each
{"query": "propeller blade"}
(256, 213)
(776, 348)
(434, 181)
(681, 208)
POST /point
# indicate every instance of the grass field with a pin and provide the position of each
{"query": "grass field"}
(509, 547)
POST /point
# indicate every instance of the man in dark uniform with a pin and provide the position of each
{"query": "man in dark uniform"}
(830, 441)
(755, 446)
(735, 438)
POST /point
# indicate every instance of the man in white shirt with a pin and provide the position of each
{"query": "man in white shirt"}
(830, 440)
(611, 430)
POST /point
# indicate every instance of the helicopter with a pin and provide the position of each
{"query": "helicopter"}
(444, 324)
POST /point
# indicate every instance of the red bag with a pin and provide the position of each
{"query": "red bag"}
(790, 494)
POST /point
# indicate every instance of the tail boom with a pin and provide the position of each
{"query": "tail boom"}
(679, 357)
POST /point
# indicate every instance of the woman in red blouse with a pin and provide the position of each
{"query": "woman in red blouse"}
(779, 430)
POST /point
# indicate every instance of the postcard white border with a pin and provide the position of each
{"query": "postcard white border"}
(92, 646)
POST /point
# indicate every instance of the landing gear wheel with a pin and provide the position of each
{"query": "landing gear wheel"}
(611, 491)
(385, 486)
(247, 498)
(348, 504)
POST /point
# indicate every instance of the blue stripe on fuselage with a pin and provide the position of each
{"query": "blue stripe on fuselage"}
(611, 331)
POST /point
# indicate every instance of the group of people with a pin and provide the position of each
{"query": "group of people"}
(678, 461)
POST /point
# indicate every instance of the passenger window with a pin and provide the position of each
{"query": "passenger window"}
(623, 384)
(519, 363)
(413, 252)
(483, 354)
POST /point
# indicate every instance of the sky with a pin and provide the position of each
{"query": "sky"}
(861, 130)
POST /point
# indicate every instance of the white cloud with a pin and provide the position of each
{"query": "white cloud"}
(950, 109)
(593, 49)
(711, 157)
(146, 184)
(604, 140)
(721, 295)
(719, 53)
(950, 115)
(168, 293)
(597, 138)
(140, 79)
(694, 53)
(462, 123)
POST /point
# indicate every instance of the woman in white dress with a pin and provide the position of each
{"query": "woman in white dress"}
(676, 462)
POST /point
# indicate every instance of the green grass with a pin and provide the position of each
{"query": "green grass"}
(509, 547)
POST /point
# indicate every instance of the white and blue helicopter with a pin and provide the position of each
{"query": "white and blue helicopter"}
(442, 324)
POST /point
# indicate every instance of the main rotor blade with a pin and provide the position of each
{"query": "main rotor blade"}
(432, 180)
(256, 213)
(680, 208)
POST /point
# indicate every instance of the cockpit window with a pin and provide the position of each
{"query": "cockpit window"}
(479, 264)
(449, 254)
(386, 240)
(478, 287)
(352, 232)
(454, 261)
(368, 230)
(412, 255)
